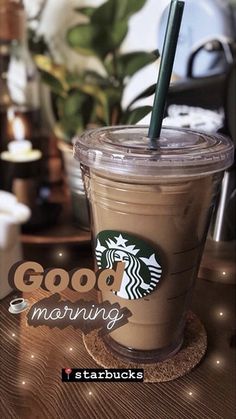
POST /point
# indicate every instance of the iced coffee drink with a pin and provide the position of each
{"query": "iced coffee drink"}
(150, 208)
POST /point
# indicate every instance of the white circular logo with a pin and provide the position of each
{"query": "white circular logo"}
(142, 266)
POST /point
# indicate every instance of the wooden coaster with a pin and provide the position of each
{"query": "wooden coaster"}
(191, 353)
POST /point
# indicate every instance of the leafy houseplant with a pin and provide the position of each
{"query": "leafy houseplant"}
(94, 98)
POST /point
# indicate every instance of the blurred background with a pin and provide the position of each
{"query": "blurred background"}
(70, 65)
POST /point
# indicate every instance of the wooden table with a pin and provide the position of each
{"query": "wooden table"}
(32, 358)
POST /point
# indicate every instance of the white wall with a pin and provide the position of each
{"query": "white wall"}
(143, 35)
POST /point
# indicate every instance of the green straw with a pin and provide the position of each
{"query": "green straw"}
(166, 66)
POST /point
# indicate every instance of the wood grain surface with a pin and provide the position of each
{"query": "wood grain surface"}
(35, 356)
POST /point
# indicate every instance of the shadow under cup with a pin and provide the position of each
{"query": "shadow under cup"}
(151, 210)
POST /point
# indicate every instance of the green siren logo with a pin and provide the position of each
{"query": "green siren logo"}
(142, 268)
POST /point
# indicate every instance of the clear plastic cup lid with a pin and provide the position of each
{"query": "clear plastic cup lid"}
(178, 152)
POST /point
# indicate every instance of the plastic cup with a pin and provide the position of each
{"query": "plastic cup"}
(151, 209)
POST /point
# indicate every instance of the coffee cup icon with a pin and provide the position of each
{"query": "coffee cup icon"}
(18, 305)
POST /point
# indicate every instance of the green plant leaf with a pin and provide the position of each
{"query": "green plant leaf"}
(54, 84)
(129, 64)
(96, 78)
(72, 125)
(73, 113)
(94, 91)
(80, 105)
(113, 11)
(114, 96)
(86, 11)
(74, 80)
(99, 94)
(99, 114)
(97, 39)
(56, 73)
(134, 61)
(81, 38)
(146, 93)
(73, 104)
(135, 115)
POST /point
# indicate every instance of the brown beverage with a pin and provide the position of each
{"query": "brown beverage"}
(151, 209)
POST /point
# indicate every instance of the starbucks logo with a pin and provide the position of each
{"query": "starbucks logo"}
(142, 268)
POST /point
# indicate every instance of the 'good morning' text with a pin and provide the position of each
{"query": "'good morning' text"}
(85, 315)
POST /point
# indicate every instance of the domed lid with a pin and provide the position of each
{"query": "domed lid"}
(178, 152)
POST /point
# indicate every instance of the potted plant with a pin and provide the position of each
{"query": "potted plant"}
(94, 97)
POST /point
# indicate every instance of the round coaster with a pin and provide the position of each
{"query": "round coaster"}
(191, 353)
